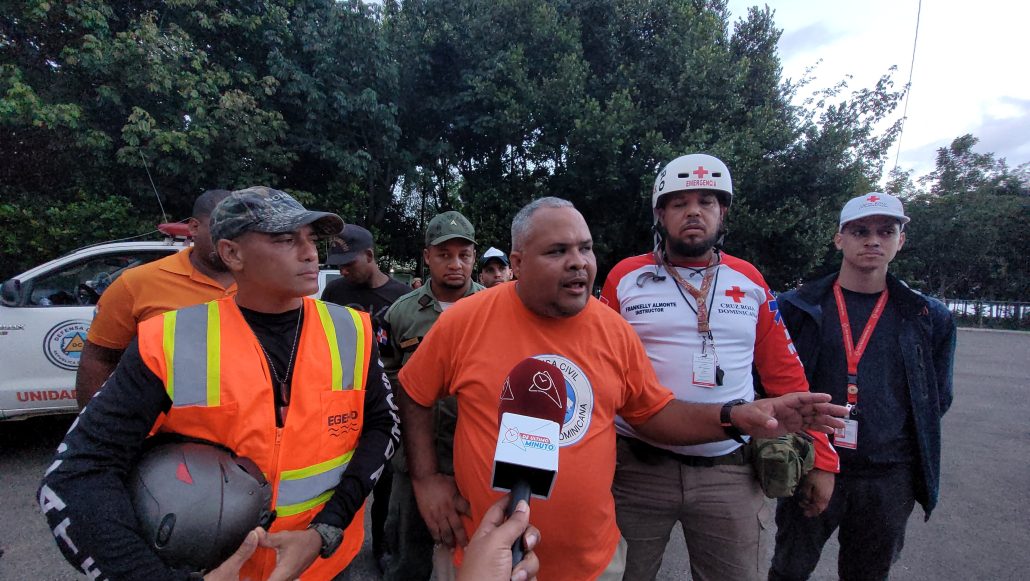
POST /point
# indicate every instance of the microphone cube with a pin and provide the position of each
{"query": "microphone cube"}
(527, 450)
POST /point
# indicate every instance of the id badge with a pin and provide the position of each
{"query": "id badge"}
(704, 370)
(846, 437)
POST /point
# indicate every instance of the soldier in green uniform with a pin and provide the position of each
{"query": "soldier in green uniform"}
(450, 254)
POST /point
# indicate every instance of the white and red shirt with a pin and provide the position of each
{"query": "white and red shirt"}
(746, 329)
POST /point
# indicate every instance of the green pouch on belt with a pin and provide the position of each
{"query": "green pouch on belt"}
(781, 463)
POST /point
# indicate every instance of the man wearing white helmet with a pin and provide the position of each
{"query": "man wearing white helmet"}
(887, 352)
(705, 319)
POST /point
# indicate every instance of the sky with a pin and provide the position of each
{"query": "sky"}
(970, 73)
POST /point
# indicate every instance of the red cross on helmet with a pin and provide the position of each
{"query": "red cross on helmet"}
(697, 171)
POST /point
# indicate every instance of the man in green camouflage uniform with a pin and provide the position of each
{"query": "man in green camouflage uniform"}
(450, 254)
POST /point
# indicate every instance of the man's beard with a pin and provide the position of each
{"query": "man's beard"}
(683, 249)
(692, 250)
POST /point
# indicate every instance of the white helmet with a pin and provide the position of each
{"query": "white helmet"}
(697, 171)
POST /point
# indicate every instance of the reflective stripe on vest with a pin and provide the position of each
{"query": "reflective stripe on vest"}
(346, 334)
(194, 367)
(305, 488)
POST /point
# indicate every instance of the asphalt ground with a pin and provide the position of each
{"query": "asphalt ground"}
(980, 530)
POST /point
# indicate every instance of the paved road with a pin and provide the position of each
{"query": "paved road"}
(980, 530)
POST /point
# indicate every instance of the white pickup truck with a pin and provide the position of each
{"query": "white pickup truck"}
(45, 313)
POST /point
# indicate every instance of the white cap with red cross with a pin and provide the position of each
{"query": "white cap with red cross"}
(873, 204)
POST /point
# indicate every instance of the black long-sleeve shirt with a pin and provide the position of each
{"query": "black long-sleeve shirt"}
(83, 494)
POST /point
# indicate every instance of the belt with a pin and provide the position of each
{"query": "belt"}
(648, 454)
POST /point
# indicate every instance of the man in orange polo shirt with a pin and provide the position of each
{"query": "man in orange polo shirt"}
(550, 314)
(193, 276)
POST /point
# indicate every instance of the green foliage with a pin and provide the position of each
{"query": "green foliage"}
(33, 229)
(587, 100)
(389, 113)
(202, 94)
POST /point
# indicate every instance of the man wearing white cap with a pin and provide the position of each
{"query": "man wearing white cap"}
(887, 352)
(494, 268)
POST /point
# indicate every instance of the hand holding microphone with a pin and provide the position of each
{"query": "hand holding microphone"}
(488, 555)
(531, 412)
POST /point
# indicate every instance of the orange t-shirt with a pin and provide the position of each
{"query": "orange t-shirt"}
(151, 289)
(469, 352)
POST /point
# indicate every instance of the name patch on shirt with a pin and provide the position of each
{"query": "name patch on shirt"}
(649, 308)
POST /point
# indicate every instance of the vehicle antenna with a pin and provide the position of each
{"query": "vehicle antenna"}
(157, 195)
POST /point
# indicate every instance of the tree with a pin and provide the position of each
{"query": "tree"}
(970, 228)
(390, 113)
(508, 101)
(100, 96)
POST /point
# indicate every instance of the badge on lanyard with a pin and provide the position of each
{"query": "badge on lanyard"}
(846, 437)
(704, 370)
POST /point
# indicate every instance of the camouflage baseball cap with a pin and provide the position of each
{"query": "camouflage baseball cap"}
(261, 209)
(449, 225)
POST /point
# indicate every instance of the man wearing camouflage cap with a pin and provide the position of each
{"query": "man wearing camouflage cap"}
(450, 254)
(290, 382)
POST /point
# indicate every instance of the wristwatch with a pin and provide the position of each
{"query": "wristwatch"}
(727, 425)
(331, 538)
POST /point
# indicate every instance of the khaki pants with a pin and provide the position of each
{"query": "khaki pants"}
(616, 569)
(722, 510)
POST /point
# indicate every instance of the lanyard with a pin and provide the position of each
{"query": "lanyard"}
(700, 295)
(853, 353)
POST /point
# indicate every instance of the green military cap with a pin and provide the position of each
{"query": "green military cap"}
(447, 226)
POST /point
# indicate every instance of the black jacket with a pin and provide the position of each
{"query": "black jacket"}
(928, 349)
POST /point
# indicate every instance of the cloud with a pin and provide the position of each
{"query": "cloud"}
(1009, 136)
(1006, 136)
(921, 160)
(804, 40)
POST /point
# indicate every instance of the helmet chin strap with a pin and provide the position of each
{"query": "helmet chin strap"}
(658, 231)
(720, 241)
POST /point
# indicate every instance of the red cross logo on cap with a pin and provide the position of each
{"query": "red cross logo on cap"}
(874, 198)
(736, 293)
(700, 172)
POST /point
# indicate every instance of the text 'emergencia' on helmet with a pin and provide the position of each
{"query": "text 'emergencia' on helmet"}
(697, 171)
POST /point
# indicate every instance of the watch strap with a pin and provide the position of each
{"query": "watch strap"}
(726, 423)
(332, 537)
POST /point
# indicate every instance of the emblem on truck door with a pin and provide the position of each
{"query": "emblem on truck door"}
(63, 344)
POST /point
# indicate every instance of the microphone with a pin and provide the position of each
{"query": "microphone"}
(531, 412)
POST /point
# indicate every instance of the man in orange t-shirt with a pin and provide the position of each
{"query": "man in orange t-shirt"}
(193, 276)
(550, 315)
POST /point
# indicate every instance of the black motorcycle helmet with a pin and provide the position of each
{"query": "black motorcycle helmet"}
(196, 502)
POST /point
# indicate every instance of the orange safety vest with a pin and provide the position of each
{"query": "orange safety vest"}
(221, 390)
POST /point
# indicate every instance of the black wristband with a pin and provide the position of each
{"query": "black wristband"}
(727, 425)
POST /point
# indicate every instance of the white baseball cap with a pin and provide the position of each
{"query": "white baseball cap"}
(872, 204)
(493, 254)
